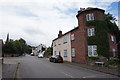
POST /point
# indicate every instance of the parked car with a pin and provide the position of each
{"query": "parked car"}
(32, 54)
(56, 58)
(40, 56)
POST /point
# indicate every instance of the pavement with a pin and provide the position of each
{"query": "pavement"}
(112, 71)
(9, 69)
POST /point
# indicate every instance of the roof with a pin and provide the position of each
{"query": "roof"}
(88, 9)
(66, 33)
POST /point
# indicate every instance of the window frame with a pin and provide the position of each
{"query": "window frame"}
(65, 40)
(89, 16)
(114, 54)
(92, 50)
(112, 38)
(54, 44)
(72, 37)
(91, 32)
(73, 52)
(65, 53)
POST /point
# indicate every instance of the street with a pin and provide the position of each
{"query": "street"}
(33, 67)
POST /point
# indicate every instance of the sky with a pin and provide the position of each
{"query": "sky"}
(39, 21)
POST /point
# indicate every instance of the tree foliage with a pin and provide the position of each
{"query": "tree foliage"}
(48, 52)
(16, 47)
(113, 28)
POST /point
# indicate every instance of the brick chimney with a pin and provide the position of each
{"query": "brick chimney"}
(81, 9)
(60, 33)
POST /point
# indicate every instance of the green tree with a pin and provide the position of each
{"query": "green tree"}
(9, 47)
(48, 52)
(18, 47)
(113, 28)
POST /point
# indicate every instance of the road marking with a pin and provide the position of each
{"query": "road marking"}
(67, 75)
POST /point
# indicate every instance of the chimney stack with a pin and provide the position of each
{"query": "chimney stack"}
(60, 33)
(81, 9)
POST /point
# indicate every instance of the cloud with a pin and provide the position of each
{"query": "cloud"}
(38, 21)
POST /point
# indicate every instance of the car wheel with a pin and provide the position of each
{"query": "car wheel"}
(54, 61)
(50, 60)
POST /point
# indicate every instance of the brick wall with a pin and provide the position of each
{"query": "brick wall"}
(80, 34)
(112, 45)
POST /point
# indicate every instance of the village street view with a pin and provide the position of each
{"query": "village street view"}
(74, 40)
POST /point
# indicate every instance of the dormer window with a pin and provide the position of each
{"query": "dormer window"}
(90, 17)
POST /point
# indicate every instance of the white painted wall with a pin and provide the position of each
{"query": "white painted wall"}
(62, 47)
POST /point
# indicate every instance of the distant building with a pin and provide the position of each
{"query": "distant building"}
(73, 46)
(38, 49)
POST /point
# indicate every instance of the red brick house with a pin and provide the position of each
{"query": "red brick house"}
(79, 47)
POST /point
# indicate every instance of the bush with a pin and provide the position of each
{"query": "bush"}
(94, 57)
(113, 62)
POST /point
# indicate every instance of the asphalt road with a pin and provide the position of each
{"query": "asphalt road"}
(33, 67)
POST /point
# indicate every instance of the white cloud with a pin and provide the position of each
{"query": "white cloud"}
(38, 21)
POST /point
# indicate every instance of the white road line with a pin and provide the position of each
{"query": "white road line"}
(67, 75)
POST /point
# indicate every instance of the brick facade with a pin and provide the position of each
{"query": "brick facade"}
(80, 43)
(113, 45)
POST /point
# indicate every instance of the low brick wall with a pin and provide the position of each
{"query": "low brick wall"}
(10, 55)
(92, 62)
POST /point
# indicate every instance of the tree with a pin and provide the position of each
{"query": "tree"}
(18, 47)
(9, 47)
(48, 52)
(113, 28)
(23, 44)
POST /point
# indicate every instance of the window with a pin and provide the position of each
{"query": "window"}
(113, 52)
(112, 38)
(59, 42)
(73, 52)
(92, 50)
(90, 17)
(54, 43)
(54, 53)
(91, 32)
(65, 39)
(65, 53)
(72, 37)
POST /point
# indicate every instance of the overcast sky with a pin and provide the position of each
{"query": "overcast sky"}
(39, 21)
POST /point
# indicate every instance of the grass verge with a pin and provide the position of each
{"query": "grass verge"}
(16, 71)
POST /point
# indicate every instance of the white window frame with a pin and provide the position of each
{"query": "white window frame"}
(72, 37)
(92, 50)
(54, 43)
(65, 40)
(59, 42)
(90, 17)
(91, 32)
(65, 53)
(54, 53)
(112, 38)
(114, 54)
(73, 52)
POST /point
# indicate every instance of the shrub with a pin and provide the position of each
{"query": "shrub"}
(94, 57)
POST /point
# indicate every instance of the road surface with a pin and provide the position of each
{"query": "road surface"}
(33, 67)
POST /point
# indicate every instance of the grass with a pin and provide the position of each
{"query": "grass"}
(16, 70)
